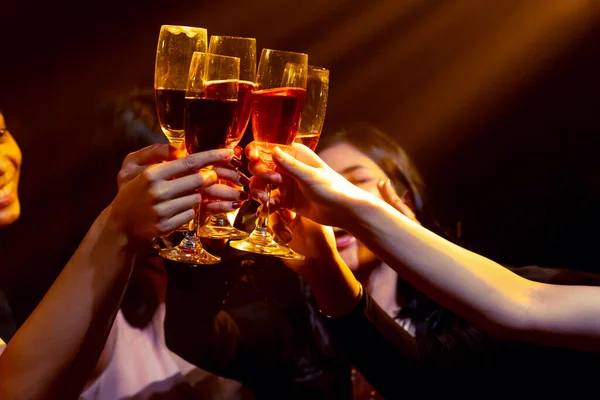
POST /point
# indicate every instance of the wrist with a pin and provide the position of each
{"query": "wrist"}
(113, 228)
(358, 210)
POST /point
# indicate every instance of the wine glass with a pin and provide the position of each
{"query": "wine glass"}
(276, 109)
(313, 115)
(243, 48)
(176, 45)
(210, 103)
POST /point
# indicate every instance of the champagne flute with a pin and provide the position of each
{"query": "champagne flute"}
(176, 45)
(243, 48)
(276, 109)
(313, 115)
(210, 102)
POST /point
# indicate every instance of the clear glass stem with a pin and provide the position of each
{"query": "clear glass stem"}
(189, 241)
(219, 220)
(262, 233)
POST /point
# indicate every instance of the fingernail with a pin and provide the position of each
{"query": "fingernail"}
(246, 189)
(381, 183)
(244, 196)
(244, 180)
(235, 162)
(274, 177)
(235, 205)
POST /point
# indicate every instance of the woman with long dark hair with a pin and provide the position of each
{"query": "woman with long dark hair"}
(489, 295)
(254, 320)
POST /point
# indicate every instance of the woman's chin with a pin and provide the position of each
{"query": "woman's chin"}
(10, 213)
(350, 256)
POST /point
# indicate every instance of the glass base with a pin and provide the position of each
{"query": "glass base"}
(189, 251)
(220, 228)
(261, 242)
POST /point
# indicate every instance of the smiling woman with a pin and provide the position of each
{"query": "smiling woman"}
(10, 164)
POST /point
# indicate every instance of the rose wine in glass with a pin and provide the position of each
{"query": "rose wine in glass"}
(277, 105)
(210, 103)
(313, 115)
(243, 48)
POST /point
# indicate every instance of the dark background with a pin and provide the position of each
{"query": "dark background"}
(497, 103)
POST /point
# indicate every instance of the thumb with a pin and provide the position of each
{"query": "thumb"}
(292, 166)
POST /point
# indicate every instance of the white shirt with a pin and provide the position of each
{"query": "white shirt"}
(142, 367)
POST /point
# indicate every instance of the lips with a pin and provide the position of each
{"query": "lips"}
(8, 194)
(343, 239)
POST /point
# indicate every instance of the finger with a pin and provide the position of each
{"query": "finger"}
(224, 193)
(287, 215)
(281, 231)
(137, 162)
(128, 173)
(260, 170)
(257, 184)
(169, 225)
(217, 207)
(238, 151)
(305, 155)
(186, 165)
(251, 152)
(232, 163)
(232, 176)
(292, 166)
(153, 154)
(389, 195)
(170, 208)
(184, 185)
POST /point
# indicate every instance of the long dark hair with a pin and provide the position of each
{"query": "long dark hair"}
(428, 317)
(394, 161)
(124, 124)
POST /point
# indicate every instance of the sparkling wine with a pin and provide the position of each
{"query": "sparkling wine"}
(170, 105)
(209, 117)
(242, 113)
(310, 140)
(275, 118)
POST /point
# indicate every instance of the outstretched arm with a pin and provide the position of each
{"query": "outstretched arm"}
(473, 286)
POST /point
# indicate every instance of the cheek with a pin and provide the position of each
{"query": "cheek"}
(365, 256)
(350, 256)
(357, 257)
(375, 192)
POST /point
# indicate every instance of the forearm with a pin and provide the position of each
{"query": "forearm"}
(56, 349)
(566, 316)
(333, 284)
(474, 287)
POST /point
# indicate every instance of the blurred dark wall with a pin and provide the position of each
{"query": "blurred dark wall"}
(496, 104)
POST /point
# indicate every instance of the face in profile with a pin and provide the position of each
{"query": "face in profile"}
(363, 172)
(10, 166)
